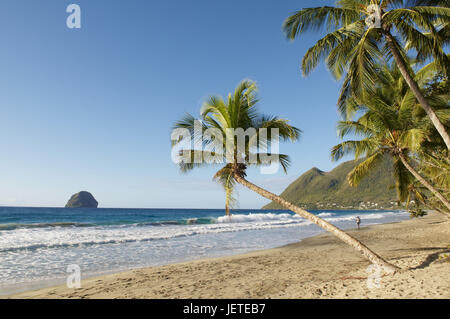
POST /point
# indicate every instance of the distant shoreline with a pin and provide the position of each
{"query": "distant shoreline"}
(343, 209)
(316, 267)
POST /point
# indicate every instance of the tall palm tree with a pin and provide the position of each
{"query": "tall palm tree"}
(433, 158)
(238, 111)
(435, 166)
(387, 128)
(355, 44)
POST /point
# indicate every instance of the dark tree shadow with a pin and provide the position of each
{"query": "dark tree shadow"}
(431, 258)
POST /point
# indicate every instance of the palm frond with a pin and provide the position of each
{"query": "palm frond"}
(198, 158)
(317, 18)
(403, 180)
(439, 3)
(412, 139)
(359, 148)
(334, 47)
(266, 159)
(362, 69)
(345, 128)
(189, 122)
(285, 130)
(362, 169)
(427, 72)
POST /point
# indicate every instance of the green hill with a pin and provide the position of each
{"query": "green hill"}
(316, 189)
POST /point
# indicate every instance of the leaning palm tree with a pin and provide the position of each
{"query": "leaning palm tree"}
(364, 32)
(433, 158)
(436, 166)
(216, 143)
(392, 121)
(386, 129)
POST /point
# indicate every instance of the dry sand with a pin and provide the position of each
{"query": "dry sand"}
(318, 267)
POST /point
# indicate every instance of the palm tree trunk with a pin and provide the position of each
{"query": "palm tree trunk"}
(227, 202)
(415, 88)
(424, 181)
(369, 254)
(227, 210)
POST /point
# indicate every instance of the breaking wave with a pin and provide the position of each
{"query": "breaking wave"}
(15, 237)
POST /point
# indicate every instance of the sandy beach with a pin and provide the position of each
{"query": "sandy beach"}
(317, 267)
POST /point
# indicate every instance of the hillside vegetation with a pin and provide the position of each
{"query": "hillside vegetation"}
(316, 189)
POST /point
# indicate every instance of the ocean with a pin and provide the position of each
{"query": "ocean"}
(38, 244)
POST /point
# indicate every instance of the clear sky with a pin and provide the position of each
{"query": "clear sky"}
(91, 109)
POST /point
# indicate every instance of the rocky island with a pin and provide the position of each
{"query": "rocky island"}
(82, 200)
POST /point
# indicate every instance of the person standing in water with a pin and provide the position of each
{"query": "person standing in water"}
(358, 221)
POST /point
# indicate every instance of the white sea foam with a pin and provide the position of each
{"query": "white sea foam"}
(326, 214)
(58, 237)
(259, 218)
(364, 216)
(34, 238)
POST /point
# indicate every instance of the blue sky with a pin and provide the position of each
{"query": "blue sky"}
(91, 109)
